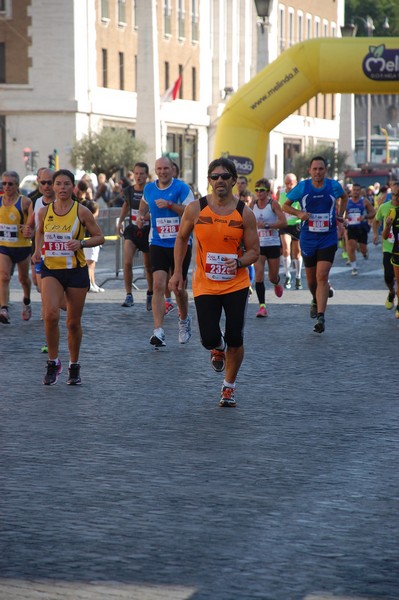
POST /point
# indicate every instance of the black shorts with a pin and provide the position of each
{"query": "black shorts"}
(68, 278)
(162, 259)
(139, 237)
(270, 251)
(292, 230)
(16, 254)
(209, 311)
(322, 254)
(358, 233)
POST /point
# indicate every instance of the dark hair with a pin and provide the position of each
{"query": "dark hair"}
(66, 173)
(142, 165)
(318, 158)
(82, 186)
(226, 163)
(177, 168)
(243, 177)
(263, 182)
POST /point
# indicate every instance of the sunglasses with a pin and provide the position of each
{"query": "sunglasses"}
(46, 182)
(224, 176)
(261, 190)
(8, 183)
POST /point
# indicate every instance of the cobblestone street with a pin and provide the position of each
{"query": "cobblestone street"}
(137, 485)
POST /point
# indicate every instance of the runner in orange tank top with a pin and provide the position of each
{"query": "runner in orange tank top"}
(227, 242)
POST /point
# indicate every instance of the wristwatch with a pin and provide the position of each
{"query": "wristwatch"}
(170, 204)
(83, 243)
(239, 264)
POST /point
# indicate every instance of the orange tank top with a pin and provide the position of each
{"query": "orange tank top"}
(218, 236)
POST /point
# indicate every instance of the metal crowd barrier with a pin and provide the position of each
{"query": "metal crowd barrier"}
(108, 220)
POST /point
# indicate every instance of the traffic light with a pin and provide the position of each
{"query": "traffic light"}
(56, 160)
(27, 155)
(53, 160)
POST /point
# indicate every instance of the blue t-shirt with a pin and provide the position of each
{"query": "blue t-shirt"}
(320, 230)
(164, 221)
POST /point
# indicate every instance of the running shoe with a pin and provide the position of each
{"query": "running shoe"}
(331, 290)
(262, 312)
(53, 371)
(278, 289)
(169, 307)
(129, 300)
(44, 349)
(366, 256)
(148, 302)
(355, 272)
(298, 283)
(74, 374)
(287, 282)
(95, 288)
(218, 360)
(4, 316)
(389, 301)
(320, 325)
(345, 254)
(26, 312)
(397, 312)
(227, 397)
(313, 310)
(184, 330)
(158, 338)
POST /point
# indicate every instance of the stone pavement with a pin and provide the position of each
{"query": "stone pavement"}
(136, 485)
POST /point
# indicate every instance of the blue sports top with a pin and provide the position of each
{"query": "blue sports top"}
(320, 230)
(164, 221)
(355, 210)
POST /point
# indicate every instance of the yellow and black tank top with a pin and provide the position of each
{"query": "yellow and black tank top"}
(218, 236)
(58, 230)
(12, 219)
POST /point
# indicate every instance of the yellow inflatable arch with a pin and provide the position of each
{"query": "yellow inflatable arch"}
(328, 65)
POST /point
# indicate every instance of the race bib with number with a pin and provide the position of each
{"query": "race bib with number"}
(215, 266)
(319, 222)
(167, 227)
(354, 217)
(55, 244)
(134, 213)
(8, 233)
(267, 237)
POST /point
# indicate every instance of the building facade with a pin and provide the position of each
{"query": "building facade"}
(77, 66)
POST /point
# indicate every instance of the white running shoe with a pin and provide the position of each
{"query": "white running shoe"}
(184, 330)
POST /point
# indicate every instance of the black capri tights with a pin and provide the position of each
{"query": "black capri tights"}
(209, 311)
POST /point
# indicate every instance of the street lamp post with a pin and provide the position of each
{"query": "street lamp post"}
(351, 30)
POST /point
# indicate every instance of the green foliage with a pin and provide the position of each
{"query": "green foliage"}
(377, 10)
(336, 162)
(107, 151)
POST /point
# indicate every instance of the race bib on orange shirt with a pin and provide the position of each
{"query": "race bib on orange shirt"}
(215, 266)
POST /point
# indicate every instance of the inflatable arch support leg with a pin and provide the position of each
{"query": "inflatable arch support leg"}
(328, 65)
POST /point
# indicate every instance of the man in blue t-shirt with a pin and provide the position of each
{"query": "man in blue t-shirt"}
(319, 212)
(166, 199)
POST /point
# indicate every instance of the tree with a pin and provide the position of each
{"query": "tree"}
(336, 161)
(377, 10)
(107, 151)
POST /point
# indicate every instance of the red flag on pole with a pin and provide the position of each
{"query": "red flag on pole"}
(172, 92)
